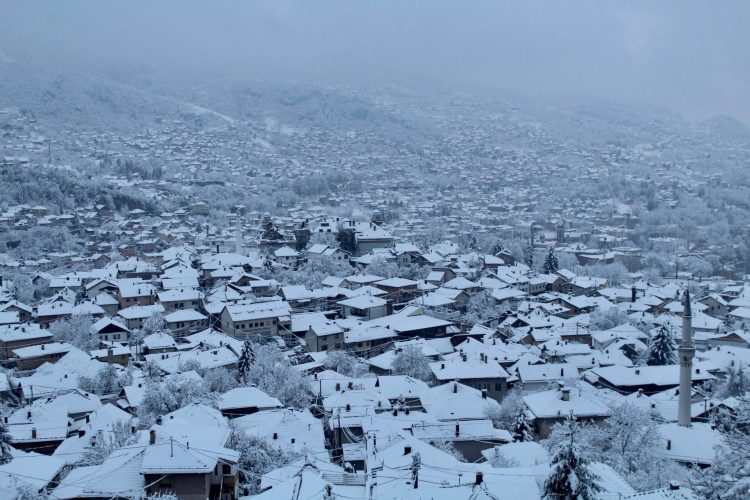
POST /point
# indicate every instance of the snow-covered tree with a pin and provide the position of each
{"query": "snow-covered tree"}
(661, 348)
(107, 380)
(605, 319)
(480, 308)
(497, 247)
(528, 254)
(728, 478)
(219, 380)
(273, 373)
(504, 415)
(75, 330)
(410, 361)
(614, 273)
(380, 266)
(346, 364)
(257, 457)
(103, 443)
(448, 447)
(522, 430)
(160, 398)
(154, 324)
(629, 442)
(736, 383)
(247, 358)
(570, 477)
(5, 447)
(550, 262)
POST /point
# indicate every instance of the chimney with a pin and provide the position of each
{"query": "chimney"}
(442, 365)
(674, 486)
(455, 387)
(484, 393)
(632, 294)
(159, 420)
(669, 444)
(637, 371)
(458, 429)
(480, 478)
(152, 437)
(350, 385)
(276, 435)
(338, 386)
(42, 347)
(565, 393)
(407, 450)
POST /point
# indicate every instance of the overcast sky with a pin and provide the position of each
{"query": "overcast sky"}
(692, 57)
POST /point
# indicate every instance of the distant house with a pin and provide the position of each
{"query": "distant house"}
(32, 357)
(246, 401)
(398, 289)
(258, 318)
(109, 329)
(475, 371)
(24, 312)
(108, 303)
(176, 299)
(287, 256)
(17, 336)
(158, 343)
(136, 294)
(550, 407)
(366, 307)
(185, 321)
(53, 311)
(649, 379)
(324, 336)
(135, 316)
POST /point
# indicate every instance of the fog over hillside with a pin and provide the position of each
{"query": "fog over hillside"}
(374, 250)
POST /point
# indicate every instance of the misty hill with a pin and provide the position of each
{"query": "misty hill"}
(67, 98)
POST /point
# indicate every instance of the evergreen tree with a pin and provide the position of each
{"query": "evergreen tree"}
(661, 349)
(5, 449)
(528, 254)
(247, 358)
(522, 429)
(570, 477)
(497, 248)
(550, 262)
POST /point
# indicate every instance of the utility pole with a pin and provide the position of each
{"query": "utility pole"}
(416, 463)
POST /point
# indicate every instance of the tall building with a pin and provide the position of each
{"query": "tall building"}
(686, 353)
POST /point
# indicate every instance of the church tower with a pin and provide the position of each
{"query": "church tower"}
(686, 353)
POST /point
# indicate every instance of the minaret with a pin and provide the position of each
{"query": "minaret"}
(686, 353)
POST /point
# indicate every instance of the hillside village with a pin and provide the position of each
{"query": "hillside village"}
(365, 367)
(272, 291)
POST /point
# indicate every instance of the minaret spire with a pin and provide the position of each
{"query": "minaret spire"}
(686, 353)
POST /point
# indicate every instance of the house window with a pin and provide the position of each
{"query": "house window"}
(226, 469)
(498, 387)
